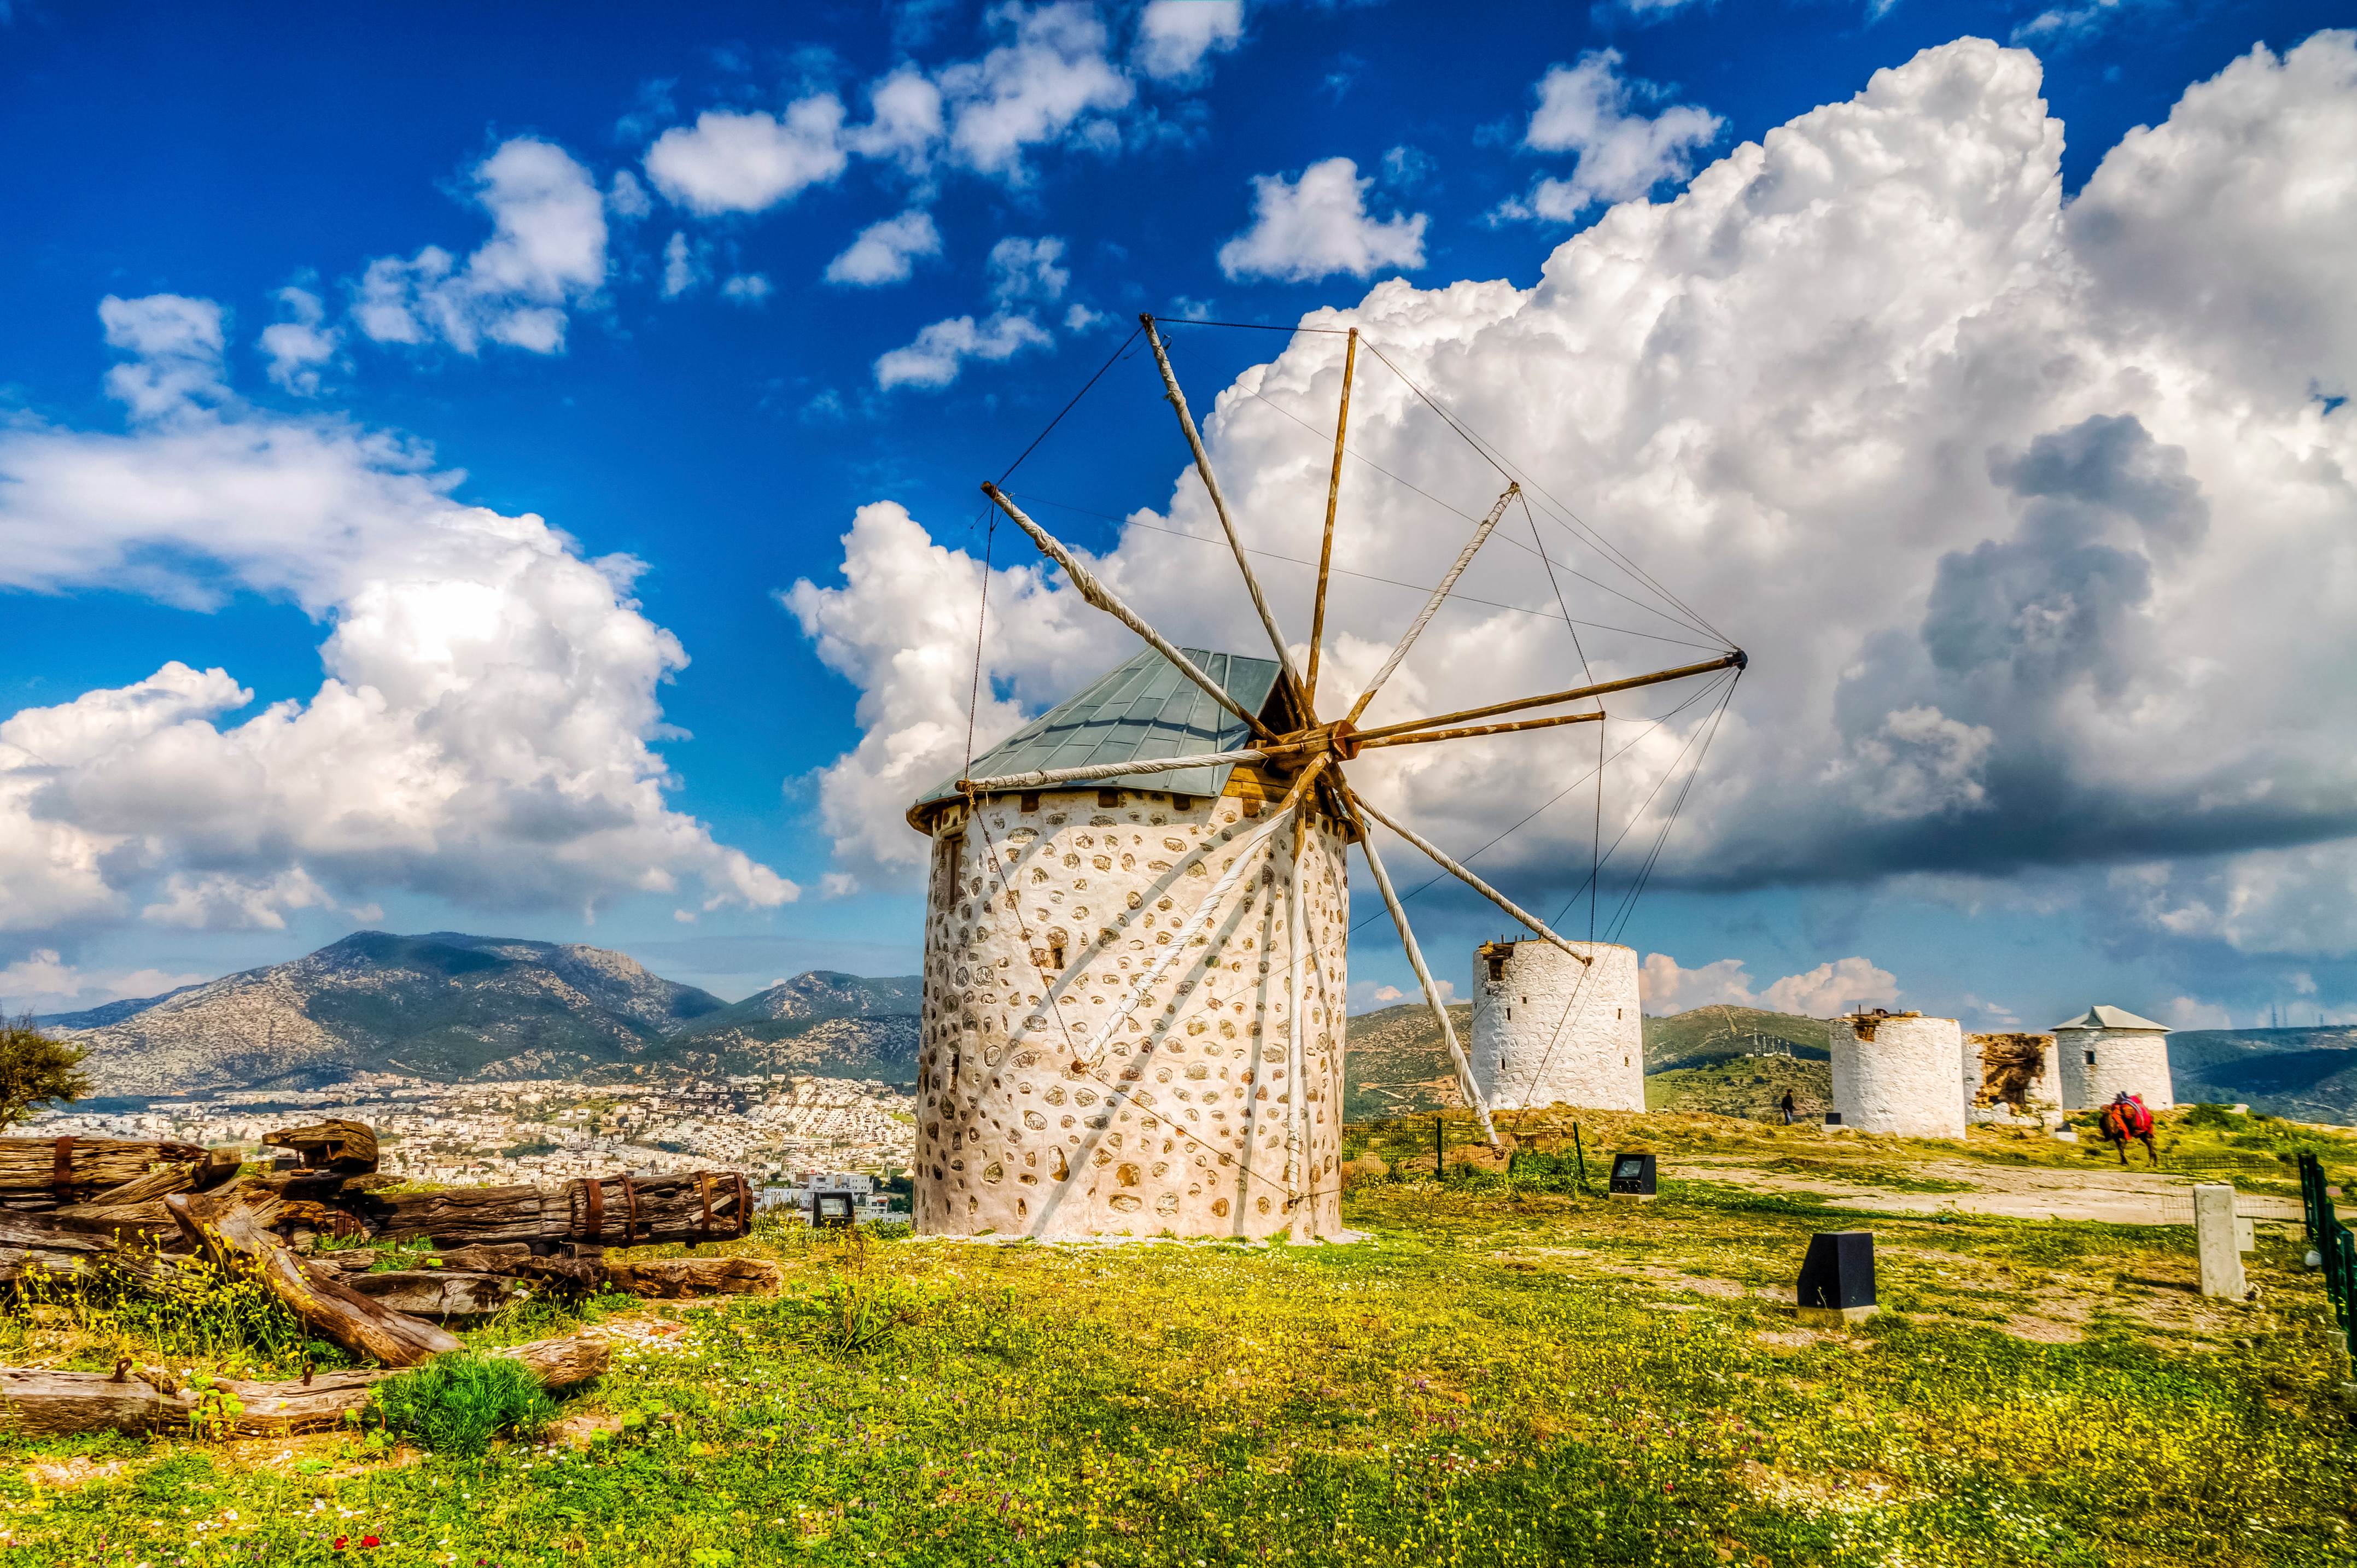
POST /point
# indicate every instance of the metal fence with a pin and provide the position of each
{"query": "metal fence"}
(2333, 1241)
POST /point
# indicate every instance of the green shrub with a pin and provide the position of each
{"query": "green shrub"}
(457, 1403)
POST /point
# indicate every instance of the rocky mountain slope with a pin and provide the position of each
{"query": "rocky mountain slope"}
(822, 1022)
(443, 1006)
(2308, 1074)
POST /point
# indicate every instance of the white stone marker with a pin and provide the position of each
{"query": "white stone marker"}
(2214, 1237)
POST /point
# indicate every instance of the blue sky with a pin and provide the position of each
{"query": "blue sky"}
(650, 355)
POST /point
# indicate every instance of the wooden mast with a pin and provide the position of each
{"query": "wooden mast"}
(1333, 495)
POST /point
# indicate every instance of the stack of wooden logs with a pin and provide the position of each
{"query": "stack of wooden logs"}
(70, 1205)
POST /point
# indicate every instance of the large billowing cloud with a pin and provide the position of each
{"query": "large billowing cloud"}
(2034, 514)
(483, 730)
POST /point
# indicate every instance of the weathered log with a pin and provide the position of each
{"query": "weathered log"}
(227, 1224)
(38, 1403)
(31, 1242)
(619, 1211)
(438, 1292)
(149, 1221)
(82, 1167)
(487, 1258)
(177, 1176)
(347, 1146)
(686, 1278)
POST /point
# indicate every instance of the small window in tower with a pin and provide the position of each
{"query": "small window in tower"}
(1526, 1000)
(1617, 1014)
(1108, 798)
(2091, 1058)
(1510, 1012)
(1031, 801)
(1183, 803)
(1056, 955)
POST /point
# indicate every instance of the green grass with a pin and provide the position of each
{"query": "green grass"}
(457, 1404)
(1507, 1373)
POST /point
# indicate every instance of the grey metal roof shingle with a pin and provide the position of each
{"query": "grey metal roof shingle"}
(1142, 710)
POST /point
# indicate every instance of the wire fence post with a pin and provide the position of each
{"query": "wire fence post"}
(1580, 1155)
(1439, 1146)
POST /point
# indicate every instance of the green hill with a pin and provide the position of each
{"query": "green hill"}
(1397, 1065)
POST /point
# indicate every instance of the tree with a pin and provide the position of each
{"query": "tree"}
(36, 1070)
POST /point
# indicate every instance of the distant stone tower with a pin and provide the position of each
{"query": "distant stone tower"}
(1550, 1030)
(1899, 1072)
(1045, 1106)
(2106, 1050)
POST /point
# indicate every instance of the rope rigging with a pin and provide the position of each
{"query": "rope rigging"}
(1297, 748)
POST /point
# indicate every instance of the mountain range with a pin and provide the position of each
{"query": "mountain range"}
(447, 1007)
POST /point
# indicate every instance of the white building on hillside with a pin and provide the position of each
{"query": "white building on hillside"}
(2109, 1050)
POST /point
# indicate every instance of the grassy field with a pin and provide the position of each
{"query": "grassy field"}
(1506, 1372)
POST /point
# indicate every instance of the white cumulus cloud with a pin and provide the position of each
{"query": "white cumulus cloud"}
(1317, 225)
(1591, 110)
(1048, 77)
(546, 256)
(2032, 514)
(1175, 37)
(942, 349)
(733, 161)
(483, 731)
(301, 343)
(1818, 993)
(886, 252)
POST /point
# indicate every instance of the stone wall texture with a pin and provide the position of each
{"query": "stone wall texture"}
(1549, 1030)
(2135, 1060)
(1036, 922)
(1907, 1078)
(1994, 1062)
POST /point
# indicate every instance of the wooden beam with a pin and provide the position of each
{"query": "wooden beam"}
(35, 1402)
(1227, 524)
(1423, 978)
(1419, 736)
(1048, 778)
(1735, 660)
(226, 1226)
(1105, 598)
(1432, 604)
(1441, 859)
(1326, 548)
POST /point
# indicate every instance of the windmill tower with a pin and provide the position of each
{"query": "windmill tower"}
(1137, 920)
(1559, 1026)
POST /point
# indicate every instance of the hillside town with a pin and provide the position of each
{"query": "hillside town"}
(538, 1130)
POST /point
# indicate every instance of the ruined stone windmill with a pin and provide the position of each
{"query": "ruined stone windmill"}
(1137, 927)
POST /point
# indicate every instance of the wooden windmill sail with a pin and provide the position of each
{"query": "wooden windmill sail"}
(1223, 798)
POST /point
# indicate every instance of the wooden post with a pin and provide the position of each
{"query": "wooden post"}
(1423, 975)
(1333, 494)
(1439, 1145)
(1227, 524)
(1097, 594)
(1736, 661)
(1580, 1155)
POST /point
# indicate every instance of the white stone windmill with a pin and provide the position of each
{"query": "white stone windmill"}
(1137, 920)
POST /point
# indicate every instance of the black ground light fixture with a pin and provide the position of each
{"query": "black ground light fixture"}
(1838, 1279)
(831, 1209)
(1632, 1176)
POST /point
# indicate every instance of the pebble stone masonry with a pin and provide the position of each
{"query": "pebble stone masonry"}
(1036, 922)
(1899, 1072)
(1550, 1030)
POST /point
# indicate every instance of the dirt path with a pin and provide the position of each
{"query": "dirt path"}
(2130, 1197)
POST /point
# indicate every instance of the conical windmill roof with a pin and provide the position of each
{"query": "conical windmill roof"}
(2103, 1017)
(1143, 710)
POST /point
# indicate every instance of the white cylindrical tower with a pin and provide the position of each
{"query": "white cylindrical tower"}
(1899, 1072)
(1046, 913)
(1550, 1030)
(2108, 1051)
